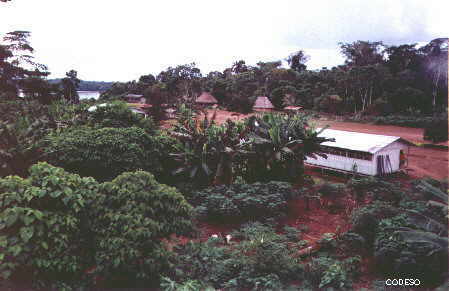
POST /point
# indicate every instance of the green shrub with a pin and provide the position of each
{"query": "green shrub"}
(352, 242)
(376, 188)
(405, 248)
(44, 231)
(436, 131)
(119, 115)
(324, 272)
(406, 120)
(331, 190)
(262, 260)
(243, 201)
(365, 220)
(130, 217)
(106, 152)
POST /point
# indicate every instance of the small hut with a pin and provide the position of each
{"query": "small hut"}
(206, 99)
(263, 104)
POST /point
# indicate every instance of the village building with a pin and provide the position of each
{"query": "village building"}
(134, 98)
(263, 104)
(206, 99)
(139, 108)
(292, 109)
(363, 153)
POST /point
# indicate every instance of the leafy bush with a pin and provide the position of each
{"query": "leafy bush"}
(405, 120)
(22, 127)
(106, 152)
(243, 201)
(44, 232)
(436, 131)
(365, 220)
(263, 260)
(352, 242)
(189, 285)
(119, 115)
(376, 188)
(331, 190)
(130, 217)
(404, 248)
(328, 272)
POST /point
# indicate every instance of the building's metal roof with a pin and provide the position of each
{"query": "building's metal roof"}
(357, 141)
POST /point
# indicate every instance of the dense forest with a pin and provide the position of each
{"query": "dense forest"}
(404, 79)
(386, 79)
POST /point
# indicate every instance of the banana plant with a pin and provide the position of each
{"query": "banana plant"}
(282, 143)
(194, 153)
(231, 143)
(207, 151)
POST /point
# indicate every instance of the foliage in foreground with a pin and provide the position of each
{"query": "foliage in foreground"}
(263, 260)
(410, 237)
(43, 225)
(104, 153)
(258, 259)
(55, 224)
(131, 215)
(243, 201)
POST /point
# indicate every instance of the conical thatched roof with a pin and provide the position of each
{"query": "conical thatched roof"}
(262, 102)
(206, 98)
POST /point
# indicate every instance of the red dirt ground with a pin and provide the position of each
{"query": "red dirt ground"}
(414, 135)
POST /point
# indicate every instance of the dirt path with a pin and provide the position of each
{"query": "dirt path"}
(409, 133)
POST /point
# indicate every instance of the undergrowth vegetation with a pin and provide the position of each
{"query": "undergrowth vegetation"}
(106, 220)
(239, 202)
(59, 230)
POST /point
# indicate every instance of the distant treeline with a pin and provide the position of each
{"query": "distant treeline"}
(88, 85)
(375, 79)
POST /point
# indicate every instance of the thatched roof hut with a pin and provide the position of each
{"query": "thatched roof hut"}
(263, 104)
(206, 99)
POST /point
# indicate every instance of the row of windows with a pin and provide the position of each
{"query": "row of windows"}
(347, 153)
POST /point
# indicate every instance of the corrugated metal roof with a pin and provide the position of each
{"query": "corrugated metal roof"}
(357, 141)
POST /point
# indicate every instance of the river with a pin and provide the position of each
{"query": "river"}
(89, 94)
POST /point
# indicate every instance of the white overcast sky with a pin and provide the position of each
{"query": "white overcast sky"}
(114, 40)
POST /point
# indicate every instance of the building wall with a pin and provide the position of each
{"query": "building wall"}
(393, 151)
(345, 164)
(363, 166)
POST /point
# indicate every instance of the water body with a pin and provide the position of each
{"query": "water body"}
(89, 94)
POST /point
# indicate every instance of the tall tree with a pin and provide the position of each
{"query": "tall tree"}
(435, 66)
(70, 84)
(183, 80)
(363, 53)
(297, 61)
(17, 63)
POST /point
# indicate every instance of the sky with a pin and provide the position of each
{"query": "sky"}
(112, 40)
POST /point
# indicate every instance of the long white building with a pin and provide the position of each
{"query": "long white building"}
(364, 153)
